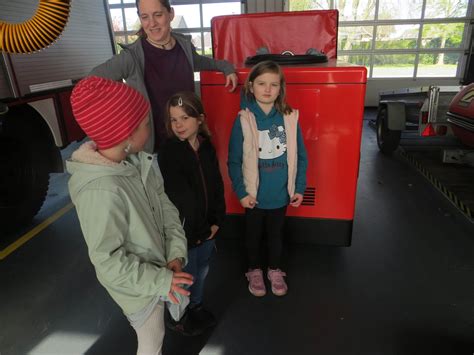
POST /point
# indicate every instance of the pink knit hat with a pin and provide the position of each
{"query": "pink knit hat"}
(108, 111)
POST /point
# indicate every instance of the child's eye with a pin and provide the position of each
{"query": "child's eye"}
(185, 117)
(144, 17)
(275, 85)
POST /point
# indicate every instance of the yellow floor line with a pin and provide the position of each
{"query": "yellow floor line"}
(34, 232)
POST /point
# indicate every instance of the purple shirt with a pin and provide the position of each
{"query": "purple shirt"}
(166, 73)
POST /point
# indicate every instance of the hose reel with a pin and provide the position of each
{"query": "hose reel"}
(39, 31)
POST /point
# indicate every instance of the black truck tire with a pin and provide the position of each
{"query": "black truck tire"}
(387, 140)
(24, 171)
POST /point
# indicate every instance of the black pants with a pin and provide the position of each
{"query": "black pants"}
(258, 221)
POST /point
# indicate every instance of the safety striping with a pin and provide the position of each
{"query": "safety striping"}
(34, 232)
(438, 185)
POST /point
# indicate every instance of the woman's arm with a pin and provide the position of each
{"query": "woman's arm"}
(116, 68)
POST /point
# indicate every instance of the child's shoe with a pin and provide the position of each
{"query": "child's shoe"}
(256, 284)
(202, 317)
(279, 287)
(185, 326)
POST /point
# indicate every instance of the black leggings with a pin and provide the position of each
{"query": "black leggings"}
(256, 222)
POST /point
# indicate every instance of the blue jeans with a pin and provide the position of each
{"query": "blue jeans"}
(198, 266)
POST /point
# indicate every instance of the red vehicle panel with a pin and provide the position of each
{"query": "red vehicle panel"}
(461, 115)
(237, 37)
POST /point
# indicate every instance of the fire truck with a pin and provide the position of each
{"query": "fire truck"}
(45, 47)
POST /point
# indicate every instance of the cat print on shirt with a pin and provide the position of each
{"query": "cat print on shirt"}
(272, 142)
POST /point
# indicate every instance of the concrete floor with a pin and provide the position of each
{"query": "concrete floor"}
(405, 286)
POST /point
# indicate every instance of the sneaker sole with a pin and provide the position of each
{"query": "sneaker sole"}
(257, 294)
(279, 293)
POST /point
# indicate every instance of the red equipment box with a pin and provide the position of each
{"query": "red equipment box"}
(330, 98)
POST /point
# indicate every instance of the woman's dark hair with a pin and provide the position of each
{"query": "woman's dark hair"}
(165, 3)
(192, 106)
(268, 67)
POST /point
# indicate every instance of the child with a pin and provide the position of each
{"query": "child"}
(267, 165)
(133, 232)
(194, 184)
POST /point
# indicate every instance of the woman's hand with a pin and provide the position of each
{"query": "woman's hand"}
(179, 279)
(214, 229)
(296, 200)
(231, 80)
(248, 202)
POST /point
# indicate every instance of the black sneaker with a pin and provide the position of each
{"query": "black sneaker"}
(201, 316)
(186, 325)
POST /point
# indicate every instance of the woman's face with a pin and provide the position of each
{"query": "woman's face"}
(155, 20)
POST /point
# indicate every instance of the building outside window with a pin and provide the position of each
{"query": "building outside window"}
(400, 38)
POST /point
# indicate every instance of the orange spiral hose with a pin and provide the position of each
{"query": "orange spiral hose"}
(39, 31)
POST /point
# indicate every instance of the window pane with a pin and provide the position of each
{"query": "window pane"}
(114, 2)
(119, 39)
(212, 10)
(357, 37)
(131, 19)
(396, 37)
(196, 40)
(186, 16)
(445, 8)
(448, 35)
(438, 65)
(393, 65)
(129, 2)
(207, 44)
(353, 10)
(117, 19)
(362, 60)
(400, 9)
(301, 5)
(132, 39)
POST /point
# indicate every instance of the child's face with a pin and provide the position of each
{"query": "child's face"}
(184, 127)
(266, 88)
(141, 134)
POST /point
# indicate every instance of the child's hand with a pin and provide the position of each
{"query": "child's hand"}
(248, 202)
(179, 279)
(296, 200)
(214, 229)
(175, 265)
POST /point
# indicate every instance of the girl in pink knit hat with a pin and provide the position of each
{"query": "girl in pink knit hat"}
(132, 230)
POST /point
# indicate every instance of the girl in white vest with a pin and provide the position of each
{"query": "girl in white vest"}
(267, 165)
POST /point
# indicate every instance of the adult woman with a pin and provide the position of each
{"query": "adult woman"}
(160, 63)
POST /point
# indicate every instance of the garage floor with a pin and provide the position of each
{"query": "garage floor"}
(405, 286)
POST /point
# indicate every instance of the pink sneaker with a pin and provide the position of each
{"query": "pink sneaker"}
(256, 284)
(279, 287)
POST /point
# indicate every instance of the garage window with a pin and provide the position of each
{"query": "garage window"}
(400, 38)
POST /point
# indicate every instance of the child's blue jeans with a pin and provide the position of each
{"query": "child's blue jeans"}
(198, 265)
